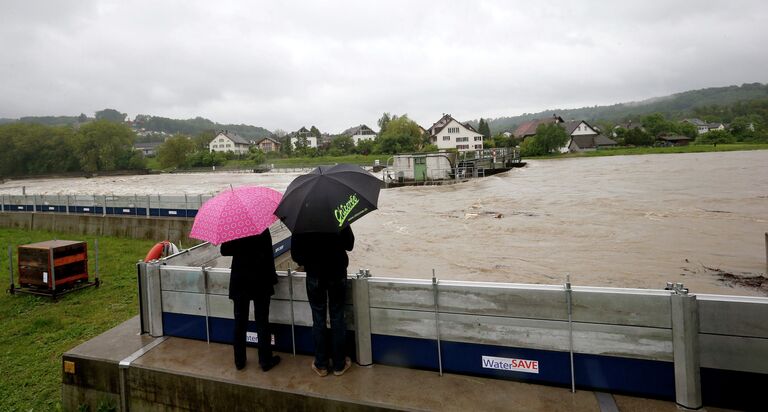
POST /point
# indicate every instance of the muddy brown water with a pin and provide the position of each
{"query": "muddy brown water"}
(623, 221)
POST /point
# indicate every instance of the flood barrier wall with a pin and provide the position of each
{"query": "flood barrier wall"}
(670, 344)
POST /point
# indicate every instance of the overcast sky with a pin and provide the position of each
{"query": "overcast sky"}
(334, 64)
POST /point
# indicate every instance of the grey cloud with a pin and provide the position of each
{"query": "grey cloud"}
(339, 63)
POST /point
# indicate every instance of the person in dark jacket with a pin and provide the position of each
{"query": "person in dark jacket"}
(324, 257)
(252, 278)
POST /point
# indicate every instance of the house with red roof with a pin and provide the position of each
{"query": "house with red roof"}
(527, 129)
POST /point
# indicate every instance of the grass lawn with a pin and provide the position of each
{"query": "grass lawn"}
(290, 162)
(621, 151)
(35, 331)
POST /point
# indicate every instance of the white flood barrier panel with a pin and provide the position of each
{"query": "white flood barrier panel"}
(668, 331)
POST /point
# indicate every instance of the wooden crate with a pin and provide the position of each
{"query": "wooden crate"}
(53, 264)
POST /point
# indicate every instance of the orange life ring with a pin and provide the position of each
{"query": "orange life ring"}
(156, 252)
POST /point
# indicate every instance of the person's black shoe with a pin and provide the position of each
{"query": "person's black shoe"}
(271, 364)
(240, 365)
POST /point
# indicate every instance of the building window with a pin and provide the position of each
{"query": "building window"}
(462, 146)
(462, 139)
(446, 138)
(478, 138)
(478, 146)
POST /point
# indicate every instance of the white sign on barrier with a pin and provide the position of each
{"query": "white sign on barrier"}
(511, 364)
(253, 337)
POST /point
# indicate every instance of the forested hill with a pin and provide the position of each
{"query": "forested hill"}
(676, 106)
(149, 123)
(195, 126)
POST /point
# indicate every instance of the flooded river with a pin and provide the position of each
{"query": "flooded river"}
(625, 221)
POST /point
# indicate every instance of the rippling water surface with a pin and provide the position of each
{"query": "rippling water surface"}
(629, 221)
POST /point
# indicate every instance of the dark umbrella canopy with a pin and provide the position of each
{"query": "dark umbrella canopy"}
(328, 199)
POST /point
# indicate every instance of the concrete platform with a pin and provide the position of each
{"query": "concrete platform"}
(181, 374)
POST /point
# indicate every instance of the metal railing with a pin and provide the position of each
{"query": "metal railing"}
(125, 205)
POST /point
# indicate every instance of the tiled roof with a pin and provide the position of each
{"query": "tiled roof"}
(356, 130)
(529, 128)
(601, 140)
(234, 137)
(584, 142)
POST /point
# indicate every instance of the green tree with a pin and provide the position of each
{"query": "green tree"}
(314, 131)
(103, 145)
(286, 146)
(301, 146)
(174, 152)
(484, 129)
(203, 139)
(256, 155)
(365, 147)
(401, 135)
(500, 140)
(714, 137)
(551, 137)
(383, 122)
(636, 137)
(343, 145)
(530, 147)
(111, 115)
(656, 125)
(687, 129)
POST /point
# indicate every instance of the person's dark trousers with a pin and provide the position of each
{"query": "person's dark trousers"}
(261, 315)
(328, 293)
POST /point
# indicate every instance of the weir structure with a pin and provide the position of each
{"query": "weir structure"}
(694, 349)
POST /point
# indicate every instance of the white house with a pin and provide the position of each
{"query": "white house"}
(577, 128)
(448, 133)
(704, 127)
(359, 133)
(303, 133)
(227, 141)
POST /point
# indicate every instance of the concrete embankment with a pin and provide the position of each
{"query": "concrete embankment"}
(137, 227)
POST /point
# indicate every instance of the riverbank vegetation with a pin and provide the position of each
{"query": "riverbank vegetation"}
(36, 331)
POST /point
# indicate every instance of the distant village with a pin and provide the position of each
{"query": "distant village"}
(446, 133)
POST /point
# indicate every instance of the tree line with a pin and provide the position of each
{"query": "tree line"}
(97, 146)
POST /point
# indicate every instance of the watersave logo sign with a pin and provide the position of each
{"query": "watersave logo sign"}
(253, 337)
(511, 364)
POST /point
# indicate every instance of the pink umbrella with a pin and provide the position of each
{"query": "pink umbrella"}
(236, 213)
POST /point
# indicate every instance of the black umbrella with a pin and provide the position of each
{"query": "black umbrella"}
(328, 199)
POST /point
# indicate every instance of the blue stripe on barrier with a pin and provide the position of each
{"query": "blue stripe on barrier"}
(110, 210)
(193, 327)
(732, 389)
(635, 376)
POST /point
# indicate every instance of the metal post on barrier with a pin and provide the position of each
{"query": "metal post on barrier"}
(437, 324)
(154, 300)
(293, 321)
(207, 305)
(362, 308)
(685, 347)
(569, 302)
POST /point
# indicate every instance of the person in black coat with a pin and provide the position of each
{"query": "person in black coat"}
(252, 278)
(324, 257)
